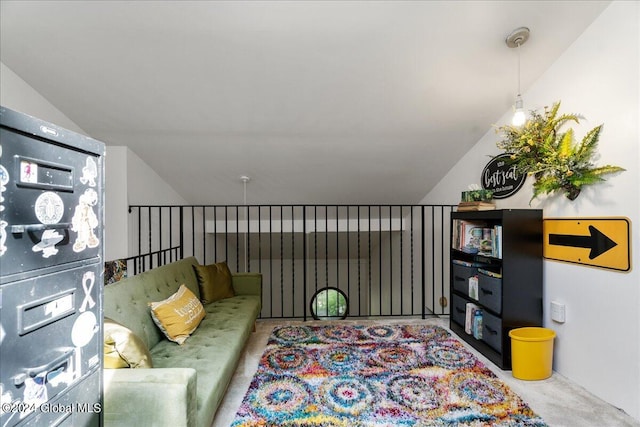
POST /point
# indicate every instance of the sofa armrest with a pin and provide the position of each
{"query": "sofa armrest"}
(247, 283)
(156, 396)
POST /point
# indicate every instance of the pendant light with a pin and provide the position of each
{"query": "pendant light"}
(517, 38)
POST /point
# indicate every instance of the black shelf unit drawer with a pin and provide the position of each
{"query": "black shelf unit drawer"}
(490, 292)
(513, 297)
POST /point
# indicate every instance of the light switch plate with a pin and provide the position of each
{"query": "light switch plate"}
(558, 312)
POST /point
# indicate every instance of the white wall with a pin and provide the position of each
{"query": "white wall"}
(116, 222)
(16, 94)
(129, 180)
(146, 187)
(597, 77)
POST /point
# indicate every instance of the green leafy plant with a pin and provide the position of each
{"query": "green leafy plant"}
(539, 148)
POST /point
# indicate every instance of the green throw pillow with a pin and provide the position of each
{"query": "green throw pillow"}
(123, 348)
(214, 281)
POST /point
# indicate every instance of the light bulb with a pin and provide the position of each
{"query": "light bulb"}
(519, 117)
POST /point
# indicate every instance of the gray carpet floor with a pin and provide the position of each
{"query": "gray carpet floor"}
(557, 400)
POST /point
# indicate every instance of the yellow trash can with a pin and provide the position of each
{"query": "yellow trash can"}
(532, 353)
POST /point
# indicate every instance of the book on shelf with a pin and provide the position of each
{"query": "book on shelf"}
(467, 236)
(476, 329)
(477, 238)
(476, 206)
(465, 263)
(497, 242)
(490, 273)
(468, 321)
(473, 287)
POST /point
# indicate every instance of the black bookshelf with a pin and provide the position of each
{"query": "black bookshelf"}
(511, 301)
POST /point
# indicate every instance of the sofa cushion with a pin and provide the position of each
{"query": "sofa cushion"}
(123, 348)
(126, 301)
(214, 281)
(179, 315)
(213, 350)
(211, 353)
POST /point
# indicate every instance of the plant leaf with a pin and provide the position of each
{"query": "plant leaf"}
(588, 144)
(560, 121)
(580, 180)
(606, 169)
(564, 149)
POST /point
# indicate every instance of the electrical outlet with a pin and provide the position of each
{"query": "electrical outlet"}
(558, 312)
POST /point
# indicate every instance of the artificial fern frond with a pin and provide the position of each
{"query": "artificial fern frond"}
(580, 180)
(566, 142)
(601, 170)
(544, 185)
(560, 121)
(551, 114)
(549, 140)
(556, 122)
(589, 143)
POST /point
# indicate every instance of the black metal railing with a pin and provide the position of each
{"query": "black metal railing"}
(389, 260)
(139, 263)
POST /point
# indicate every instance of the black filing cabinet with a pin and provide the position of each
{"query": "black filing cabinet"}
(51, 274)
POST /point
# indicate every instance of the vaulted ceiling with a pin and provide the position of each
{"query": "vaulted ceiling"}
(316, 101)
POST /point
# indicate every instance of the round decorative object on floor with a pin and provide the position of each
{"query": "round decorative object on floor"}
(329, 303)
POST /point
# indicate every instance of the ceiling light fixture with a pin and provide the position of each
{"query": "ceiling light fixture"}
(245, 179)
(517, 38)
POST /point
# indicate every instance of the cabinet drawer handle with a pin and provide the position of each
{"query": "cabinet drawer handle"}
(491, 331)
(459, 279)
(34, 371)
(486, 291)
(459, 310)
(19, 229)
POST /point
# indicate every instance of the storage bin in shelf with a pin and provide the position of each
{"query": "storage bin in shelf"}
(458, 310)
(462, 271)
(490, 290)
(492, 330)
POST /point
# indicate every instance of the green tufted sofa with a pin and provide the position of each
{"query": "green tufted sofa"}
(187, 382)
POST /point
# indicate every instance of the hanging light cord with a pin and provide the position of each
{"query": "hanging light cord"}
(244, 198)
(246, 234)
(519, 44)
(515, 40)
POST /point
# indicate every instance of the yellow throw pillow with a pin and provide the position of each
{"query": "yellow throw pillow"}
(123, 348)
(214, 281)
(179, 315)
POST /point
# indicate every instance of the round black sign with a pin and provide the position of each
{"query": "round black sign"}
(501, 177)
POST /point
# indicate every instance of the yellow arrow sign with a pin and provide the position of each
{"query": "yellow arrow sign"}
(598, 242)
